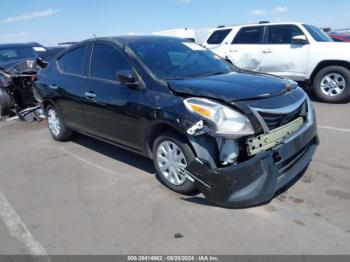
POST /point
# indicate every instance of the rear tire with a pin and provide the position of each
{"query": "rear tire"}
(56, 126)
(5, 102)
(332, 84)
(169, 153)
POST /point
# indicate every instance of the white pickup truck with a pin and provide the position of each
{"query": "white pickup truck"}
(297, 51)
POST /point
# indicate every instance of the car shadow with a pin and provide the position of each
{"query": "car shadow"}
(315, 99)
(115, 152)
(201, 200)
(146, 165)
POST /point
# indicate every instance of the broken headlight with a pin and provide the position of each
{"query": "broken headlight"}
(227, 121)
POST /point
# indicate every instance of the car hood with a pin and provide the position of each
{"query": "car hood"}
(232, 87)
(19, 66)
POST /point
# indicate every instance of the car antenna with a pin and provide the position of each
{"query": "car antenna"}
(94, 35)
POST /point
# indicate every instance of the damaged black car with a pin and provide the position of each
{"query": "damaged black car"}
(18, 67)
(237, 136)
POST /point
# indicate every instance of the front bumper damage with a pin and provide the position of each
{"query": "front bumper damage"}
(257, 180)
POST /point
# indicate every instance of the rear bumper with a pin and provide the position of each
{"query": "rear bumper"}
(256, 180)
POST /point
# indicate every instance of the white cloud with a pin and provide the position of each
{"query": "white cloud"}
(29, 16)
(184, 1)
(280, 9)
(258, 12)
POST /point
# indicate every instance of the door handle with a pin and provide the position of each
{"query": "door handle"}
(267, 51)
(233, 51)
(53, 87)
(90, 95)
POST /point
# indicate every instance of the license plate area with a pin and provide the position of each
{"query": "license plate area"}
(273, 138)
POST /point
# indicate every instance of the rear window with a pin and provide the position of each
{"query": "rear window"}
(218, 36)
(250, 35)
(73, 61)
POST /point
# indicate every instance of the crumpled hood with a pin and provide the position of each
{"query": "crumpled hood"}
(232, 87)
(19, 66)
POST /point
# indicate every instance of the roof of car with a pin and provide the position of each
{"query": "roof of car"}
(256, 24)
(134, 38)
(32, 44)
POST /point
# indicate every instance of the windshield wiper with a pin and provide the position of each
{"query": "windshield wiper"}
(214, 74)
(189, 77)
(176, 78)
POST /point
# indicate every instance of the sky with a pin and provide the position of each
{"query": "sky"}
(50, 22)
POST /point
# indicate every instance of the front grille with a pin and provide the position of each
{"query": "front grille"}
(275, 120)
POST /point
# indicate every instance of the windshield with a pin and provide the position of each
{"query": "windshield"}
(318, 34)
(172, 59)
(9, 54)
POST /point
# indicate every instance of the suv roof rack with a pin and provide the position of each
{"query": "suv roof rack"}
(220, 26)
(264, 22)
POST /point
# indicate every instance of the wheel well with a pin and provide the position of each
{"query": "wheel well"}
(48, 103)
(158, 129)
(327, 63)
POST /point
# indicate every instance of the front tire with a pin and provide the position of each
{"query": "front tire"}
(56, 126)
(5, 102)
(332, 84)
(171, 153)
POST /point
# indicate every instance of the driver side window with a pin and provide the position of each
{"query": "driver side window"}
(282, 34)
(106, 61)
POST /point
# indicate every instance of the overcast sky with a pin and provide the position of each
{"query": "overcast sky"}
(49, 22)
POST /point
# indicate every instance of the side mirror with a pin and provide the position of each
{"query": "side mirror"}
(41, 63)
(299, 40)
(128, 78)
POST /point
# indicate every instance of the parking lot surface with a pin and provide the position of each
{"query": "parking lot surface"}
(89, 197)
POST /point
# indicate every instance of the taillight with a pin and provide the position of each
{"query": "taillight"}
(34, 78)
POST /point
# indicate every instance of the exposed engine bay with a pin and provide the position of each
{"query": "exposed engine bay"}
(16, 91)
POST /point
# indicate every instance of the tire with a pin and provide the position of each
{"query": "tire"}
(56, 126)
(185, 187)
(5, 102)
(338, 87)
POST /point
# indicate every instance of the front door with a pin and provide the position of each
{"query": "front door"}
(280, 56)
(111, 109)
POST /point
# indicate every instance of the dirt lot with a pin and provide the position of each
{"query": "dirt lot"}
(88, 197)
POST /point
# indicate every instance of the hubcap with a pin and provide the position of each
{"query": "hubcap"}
(54, 123)
(333, 84)
(170, 160)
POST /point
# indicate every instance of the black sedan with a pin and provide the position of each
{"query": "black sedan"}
(235, 135)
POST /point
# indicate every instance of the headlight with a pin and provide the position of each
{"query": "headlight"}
(226, 120)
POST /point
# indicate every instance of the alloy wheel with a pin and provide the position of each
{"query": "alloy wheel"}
(333, 84)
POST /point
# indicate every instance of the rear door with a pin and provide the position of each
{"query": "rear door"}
(246, 48)
(67, 83)
(282, 57)
(111, 109)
